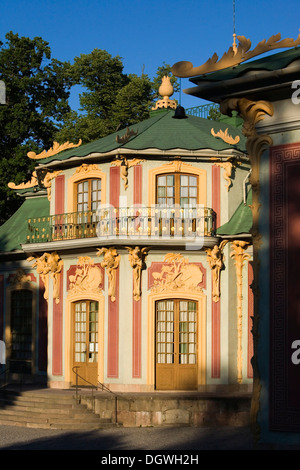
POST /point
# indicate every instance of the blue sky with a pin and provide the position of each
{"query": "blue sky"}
(147, 33)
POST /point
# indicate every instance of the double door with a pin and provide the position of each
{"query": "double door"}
(176, 345)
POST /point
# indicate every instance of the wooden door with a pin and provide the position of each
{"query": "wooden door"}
(85, 341)
(176, 344)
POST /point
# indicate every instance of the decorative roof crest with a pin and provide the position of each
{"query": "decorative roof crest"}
(165, 90)
(234, 56)
(57, 148)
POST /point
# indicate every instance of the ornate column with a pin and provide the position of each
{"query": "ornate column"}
(238, 253)
(252, 112)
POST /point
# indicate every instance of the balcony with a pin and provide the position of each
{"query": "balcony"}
(152, 224)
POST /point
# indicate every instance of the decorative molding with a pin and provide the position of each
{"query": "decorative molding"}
(228, 165)
(85, 168)
(165, 90)
(21, 280)
(239, 255)
(111, 261)
(225, 136)
(86, 278)
(57, 148)
(137, 262)
(46, 265)
(177, 274)
(234, 56)
(47, 181)
(126, 137)
(124, 165)
(215, 259)
(29, 184)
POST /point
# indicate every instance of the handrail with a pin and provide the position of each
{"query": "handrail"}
(93, 386)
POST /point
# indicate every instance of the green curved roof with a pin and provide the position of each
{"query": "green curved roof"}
(161, 131)
(14, 231)
(241, 221)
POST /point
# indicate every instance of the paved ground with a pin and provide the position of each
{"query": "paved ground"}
(163, 439)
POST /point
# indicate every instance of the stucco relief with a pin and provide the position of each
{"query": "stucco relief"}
(49, 264)
(137, 262)
(84, 277)
(176, 273)
(110, 262)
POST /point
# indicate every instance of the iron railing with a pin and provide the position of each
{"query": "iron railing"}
(136, 222)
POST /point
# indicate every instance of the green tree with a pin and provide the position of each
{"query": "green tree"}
(37, 92)
(111, 99)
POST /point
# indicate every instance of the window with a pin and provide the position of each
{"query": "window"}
(177, 189)
(88, 195)
(21, 331)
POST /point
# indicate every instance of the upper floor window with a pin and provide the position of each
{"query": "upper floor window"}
(177, 189)
(88, 194)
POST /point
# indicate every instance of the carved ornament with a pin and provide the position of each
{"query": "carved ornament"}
(234, 56)
(239, 255)
(85, 168)
(29, 184)
(126, 137)
(21, 280)
(49, 176)
(124, 165)
(57, 148)
(87, 277)
(225, 136)
(165, 90)
(110, 262)
(49, 264)
(228, 165)
(137, 262)
(177, 274)
(215, 258)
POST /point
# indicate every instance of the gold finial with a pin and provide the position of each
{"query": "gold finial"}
(234, 46)
(165, 90)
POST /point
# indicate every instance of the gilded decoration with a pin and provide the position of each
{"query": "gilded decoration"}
(165, 90)
(110, 262)
(29, 184)
(252, 112)
(234, 56)
(240, 256)
(177, 274)
(137, 257)
(49, 264)
(46, 182)
(87, 277)
(124, 165)
(126, 137)
(85, 168)
(225, 136)
(20, 280)
(215, 258)
(57, 148)
(228, 165)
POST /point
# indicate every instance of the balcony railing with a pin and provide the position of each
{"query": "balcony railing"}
(134, 222)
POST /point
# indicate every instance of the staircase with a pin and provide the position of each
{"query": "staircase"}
(44, 409)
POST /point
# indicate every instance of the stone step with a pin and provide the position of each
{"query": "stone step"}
(44, 410)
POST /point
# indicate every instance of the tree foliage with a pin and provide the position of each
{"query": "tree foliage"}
(37, 110)
(37, 92)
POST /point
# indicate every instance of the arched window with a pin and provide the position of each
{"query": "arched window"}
(177, 189)
(88, 194)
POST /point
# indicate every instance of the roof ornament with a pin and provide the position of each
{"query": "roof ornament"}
(225, 136)
(57, 148)
(234, 56)
(126, 137)
(165, 90)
